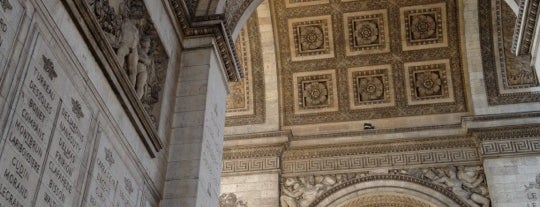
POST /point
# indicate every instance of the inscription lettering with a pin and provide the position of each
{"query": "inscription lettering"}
(46, 87)
(25, 154)
(20, 169)
(15, 183)
(28, 139)
(57, 191)
(58, 175)
(63, 163)
(9, 197)
(40, 97)
(72, 125)
(49, 201)
(33, 124)
(37, 112)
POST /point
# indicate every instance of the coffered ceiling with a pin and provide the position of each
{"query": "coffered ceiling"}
(353, 60)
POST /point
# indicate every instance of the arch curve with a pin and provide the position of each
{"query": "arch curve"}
(398, 185)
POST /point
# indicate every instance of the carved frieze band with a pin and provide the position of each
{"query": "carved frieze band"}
(505, 147)
(380, 160)
(509, 140)
(250, 165)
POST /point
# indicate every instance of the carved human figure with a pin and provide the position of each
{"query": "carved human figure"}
(302, 194)
(129, 41)
(144, 67)
(451, 180)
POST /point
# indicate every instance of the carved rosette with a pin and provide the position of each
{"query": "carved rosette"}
(311, 38)
(367, 32)
(424, 26)
(316, 91)
(429, 82)
(371, 87)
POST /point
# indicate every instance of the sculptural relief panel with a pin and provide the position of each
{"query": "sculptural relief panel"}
(316, 91)
(465, 185)
(129, 31)
(423, 26)
(429, 82)
(367, 32)
(371, 87)
(311, 38)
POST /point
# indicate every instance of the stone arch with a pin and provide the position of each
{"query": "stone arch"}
(397, 186)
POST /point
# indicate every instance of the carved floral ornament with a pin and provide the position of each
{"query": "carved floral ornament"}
(231, 200)
(467, 183)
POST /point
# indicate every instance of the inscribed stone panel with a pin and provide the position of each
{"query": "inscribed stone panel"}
(111, 179)
(46, 141)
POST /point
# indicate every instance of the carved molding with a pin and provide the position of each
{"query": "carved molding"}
(524, 28)
(205, 27)
(246, 102)
(491, 62)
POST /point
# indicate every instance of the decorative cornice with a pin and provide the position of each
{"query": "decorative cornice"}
(507, 132)
(216, 28)
(253, 152)
(258, 135)
(378, 131)
(435, 143)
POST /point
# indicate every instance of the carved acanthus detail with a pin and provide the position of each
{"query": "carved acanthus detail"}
(231, 200)
(48, 66)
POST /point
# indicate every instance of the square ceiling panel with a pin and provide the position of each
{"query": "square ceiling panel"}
(423, 26)
(366, 32)
(311, 38)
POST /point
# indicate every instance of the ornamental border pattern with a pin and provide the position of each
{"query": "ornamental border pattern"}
(250, 165)
(382, 160)
(510, 147)
(257, 76)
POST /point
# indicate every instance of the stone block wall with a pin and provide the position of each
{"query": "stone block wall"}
(514, 181)
(261, 190)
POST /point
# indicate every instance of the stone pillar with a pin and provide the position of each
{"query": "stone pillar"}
(196, 145)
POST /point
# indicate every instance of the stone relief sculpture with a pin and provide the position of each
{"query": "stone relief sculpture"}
(231, 200)
(302, 191)
(138, 49)
(466, 182)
